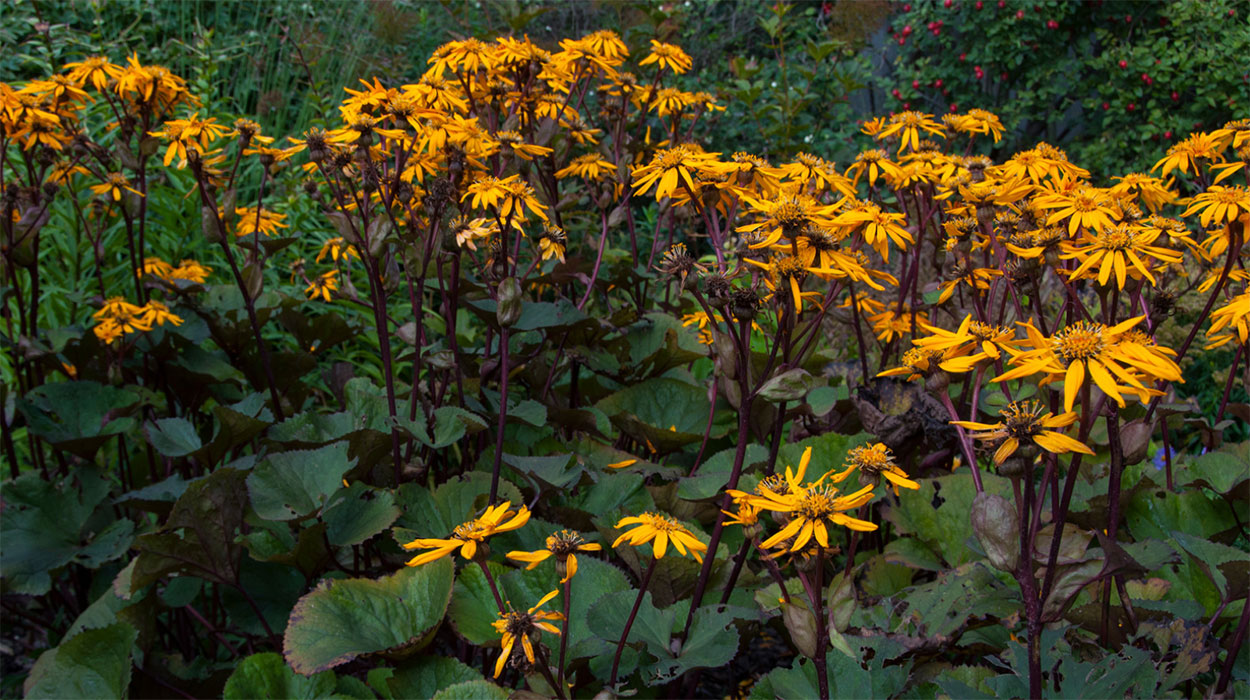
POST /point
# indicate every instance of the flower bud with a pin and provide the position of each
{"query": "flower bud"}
(211, 225)
(801, 624)
(1135, 440)
(509, 309)
(995, 524)
(841, 601)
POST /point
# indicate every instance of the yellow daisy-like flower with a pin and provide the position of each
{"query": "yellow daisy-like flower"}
(564, 546)
(918, 363)
(113, 186)
(909, 125)
(1230, 321)
(118, 317)
(1024, 422)
(1083, 206)
(978, 280)
(874, 463)
(191, 271)
(1152, 191)
(552, 242)
(812, 509)
(323, 285)
(468, 536)
(337, 248)
(1184, 156)
(785, 278)
(1121, 249)
(668, 56)
(159, 314)
(94, 69)
(517, 625)
(1099, 351)
(590, 166)
(874, 162)
(660, 530)
(1220, 204)
(248, 221)
(184, 133)
(970, 344)
(879, 228)
(675, 167)
(976, 121)
(785, 216)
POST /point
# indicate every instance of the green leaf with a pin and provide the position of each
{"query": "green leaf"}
(45, 525)
(1156, 513)
(354, 514)
(78, 416)
(553, 470)
(790, 385)
(427, 675)
(291, 485)
(267, 676)
(344, 619)
(199, 537)
(93, 664)
(1227, 567)
(666, 412)
(174, 437)
(652, 627)
(452, 423)
(714, 473)
(945, 604)
(712, 642)
(847, 677)
(947, 528)
(312, 428)
(472, 690)
(473, 606)
(1222, 470)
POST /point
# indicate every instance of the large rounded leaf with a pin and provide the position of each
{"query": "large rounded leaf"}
(267, 676)
(344, 619)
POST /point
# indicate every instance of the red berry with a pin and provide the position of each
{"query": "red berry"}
(963, 56)
(1167, 134)
(1145, 78)
(1231, 13)
(1019, 14)
(954, 108)
(1128, 19)
(902, 40)
(895, 92)
(1105, 105)
(907, 30)
(940, 23)
(1176, 96)
(1052, 24)
(1123, 63)
(1132, 106)
(907, 8)
(938, 83)
(979, 5)
(1002, 76)
(947, 4)
(1158, 61)
(906, 105)
(915, 84)
(945, 93)
(1002, 4)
